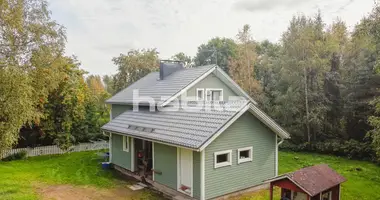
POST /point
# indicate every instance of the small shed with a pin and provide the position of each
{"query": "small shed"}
(318, 182)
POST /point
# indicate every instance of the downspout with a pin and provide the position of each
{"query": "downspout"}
(277, 145)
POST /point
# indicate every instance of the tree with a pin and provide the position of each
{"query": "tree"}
(30, 43)
(372, 25)
(133, 66)
(216, 51)
(241, 67)
(94, 83)
(183, 58)
(109, 84)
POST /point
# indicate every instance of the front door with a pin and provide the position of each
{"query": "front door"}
(185, 171)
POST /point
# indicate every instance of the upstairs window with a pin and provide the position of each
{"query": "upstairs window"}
(244, 155)
(214, 94)
(327, 196)
(222, 158)
(125, 144)
(200, 94)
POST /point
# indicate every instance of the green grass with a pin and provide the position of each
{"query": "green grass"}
(363, 177)
(18, 178)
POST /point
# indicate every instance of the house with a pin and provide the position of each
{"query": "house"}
(219, 142)
(318, 182)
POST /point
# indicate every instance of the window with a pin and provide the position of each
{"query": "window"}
(244, 155)
(200, 94)
(327, 196)
(222, 158)
(214, 94)
(125, 143)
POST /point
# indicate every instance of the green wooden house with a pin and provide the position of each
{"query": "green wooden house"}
(193, 130)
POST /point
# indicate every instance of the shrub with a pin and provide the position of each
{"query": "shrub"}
(16, 156)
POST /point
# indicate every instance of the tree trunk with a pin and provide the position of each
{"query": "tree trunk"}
(307, 107)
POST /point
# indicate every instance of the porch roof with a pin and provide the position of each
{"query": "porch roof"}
(191, 127)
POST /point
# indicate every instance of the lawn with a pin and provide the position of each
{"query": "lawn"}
(363, 177)
(23, 179)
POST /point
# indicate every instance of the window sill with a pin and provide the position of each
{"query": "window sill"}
(244, 160)
(219, 165)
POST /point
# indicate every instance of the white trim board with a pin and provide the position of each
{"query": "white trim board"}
(142, 138)
(234, 86)
(110, 147)
(221, 130)
(221, 75)
(167, 101)
(203, 191)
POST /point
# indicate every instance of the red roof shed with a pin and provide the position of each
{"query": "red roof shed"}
(318, 182)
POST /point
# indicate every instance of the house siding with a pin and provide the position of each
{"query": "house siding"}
(120, 157)
(247, 131)
(165, 161)
(116, 110)
(196, 175)
(211, 81)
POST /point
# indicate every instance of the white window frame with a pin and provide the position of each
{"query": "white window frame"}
(203, 94)
(211, 90)
(330, 194)
(223, 164)
(126, 149)
(243, 160)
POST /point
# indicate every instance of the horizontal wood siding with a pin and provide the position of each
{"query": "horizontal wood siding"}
(165, 161)
(116, 110)
(120, 157)
(247, 131)
(197, 174)
(211, 81)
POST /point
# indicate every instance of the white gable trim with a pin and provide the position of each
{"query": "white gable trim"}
(176, 95)
(269, 122)
(229, 123)
(222, 76)
(236, 88)
(257, 113)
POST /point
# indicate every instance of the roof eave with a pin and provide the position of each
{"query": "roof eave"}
(149, 139)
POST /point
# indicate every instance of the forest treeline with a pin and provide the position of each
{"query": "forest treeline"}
(319, 81)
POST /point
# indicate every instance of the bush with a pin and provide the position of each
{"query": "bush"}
(352, 149)
(16, 156)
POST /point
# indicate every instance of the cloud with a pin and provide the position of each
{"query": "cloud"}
(266, 5)
(98, 30)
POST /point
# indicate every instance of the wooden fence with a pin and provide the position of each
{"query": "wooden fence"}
(54, 149)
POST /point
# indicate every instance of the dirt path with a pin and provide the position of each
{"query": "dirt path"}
(70, 192)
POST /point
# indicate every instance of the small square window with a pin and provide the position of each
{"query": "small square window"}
(214, 94)
(222, 158)
(244, 155)
(125, 144)
(200, 94)
(327, 196)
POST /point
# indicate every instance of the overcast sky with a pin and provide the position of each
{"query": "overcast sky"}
(98, 30)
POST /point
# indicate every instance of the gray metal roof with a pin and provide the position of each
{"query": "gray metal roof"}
(187, 128)
(151, 86)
